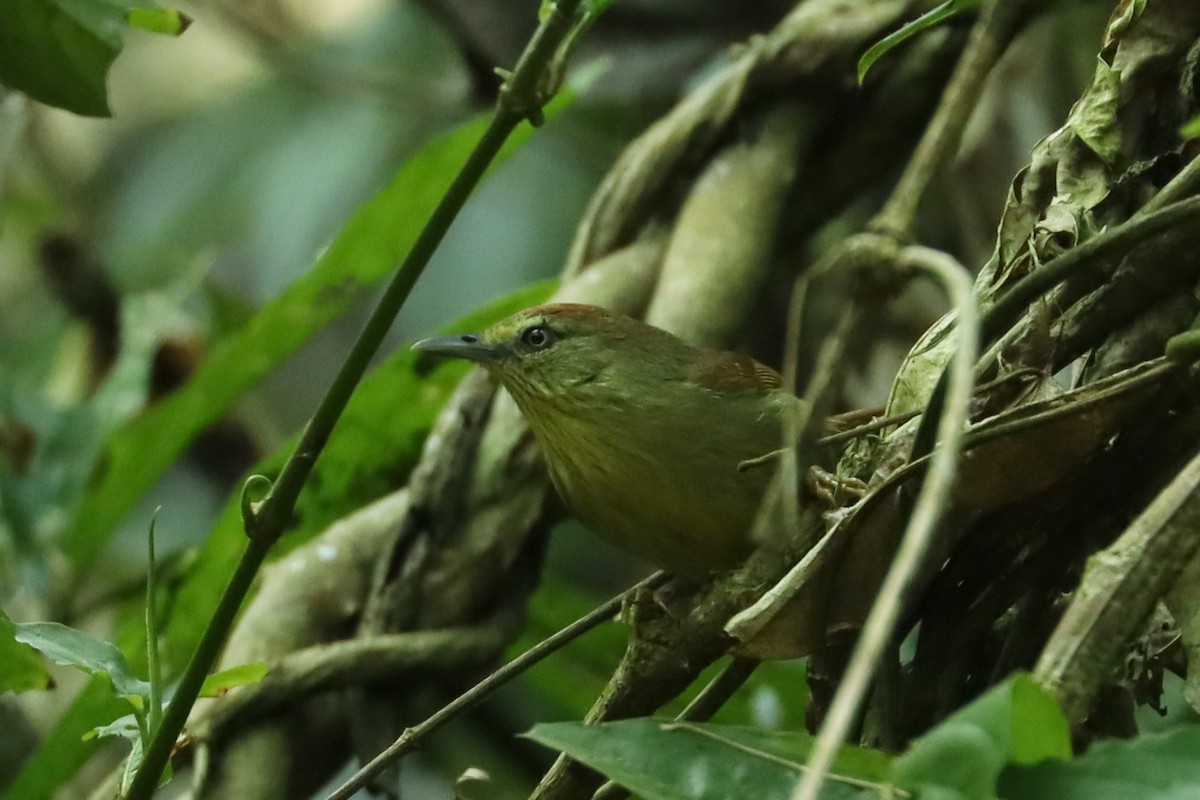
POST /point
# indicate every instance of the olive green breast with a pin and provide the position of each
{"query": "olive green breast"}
(663, 483)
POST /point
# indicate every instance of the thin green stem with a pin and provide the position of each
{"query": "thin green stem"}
(152, 662)
(931, 504)
(412, 737)
(997, 24)
(275, 513)
(521, 97)
(163, 742)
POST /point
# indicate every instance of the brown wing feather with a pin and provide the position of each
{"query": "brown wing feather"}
(733, 373)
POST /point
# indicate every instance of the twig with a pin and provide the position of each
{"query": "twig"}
(866, 428)
(816, 397)
(880, 423)
(1081, 401)
(521, 97)
(1185, 184)
(927, 511)
(719, 690)
(348, 663)
(989, 37)
(793, 426)
(412, 737)
(1098, 248)
(1118, 591)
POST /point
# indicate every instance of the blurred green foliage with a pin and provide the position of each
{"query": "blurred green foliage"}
(366, 248)
(233, 235)
(59, 51)
(20, 667)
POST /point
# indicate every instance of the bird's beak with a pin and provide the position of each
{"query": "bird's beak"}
(463, 345)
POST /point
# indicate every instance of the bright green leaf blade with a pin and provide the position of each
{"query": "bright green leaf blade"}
(21, 669)
(1013, 722)
(153, 664)
(596, 7)
(368, 246)
(1190, 129)
(909, 30)
(662, 760)
(1162, 766)
(374, 447)
(125, 727)
(59, 51)
(242, 675)
(166, 21)
(1040, 731)
(74, 648)
(64, 750)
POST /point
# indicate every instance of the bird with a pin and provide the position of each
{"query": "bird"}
(641, 432)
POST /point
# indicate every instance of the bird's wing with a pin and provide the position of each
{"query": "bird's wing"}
(732, 373)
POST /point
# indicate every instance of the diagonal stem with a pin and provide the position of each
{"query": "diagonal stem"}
(927, 512)
(521, 97)
(412, 737)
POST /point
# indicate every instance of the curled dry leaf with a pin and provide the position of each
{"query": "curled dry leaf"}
(1010, 458)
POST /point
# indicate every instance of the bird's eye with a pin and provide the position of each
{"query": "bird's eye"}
(536, 338)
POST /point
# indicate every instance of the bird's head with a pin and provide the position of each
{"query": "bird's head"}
(564, 351)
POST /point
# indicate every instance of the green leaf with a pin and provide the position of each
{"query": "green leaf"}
(133, 762)
(1093, 120)
(1160, 766)
(663, 760)
(20, 667)
(220, 682)
(57, 55)
(1039, 730)
(1190, 129)
(596, 7)
(125, 727)
(1015, 722)
(153, 664)
(909, 30)
(64, 749)
(374, 447)
(379, 233)
(72, 647)
(59, 51)
(166, 21)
